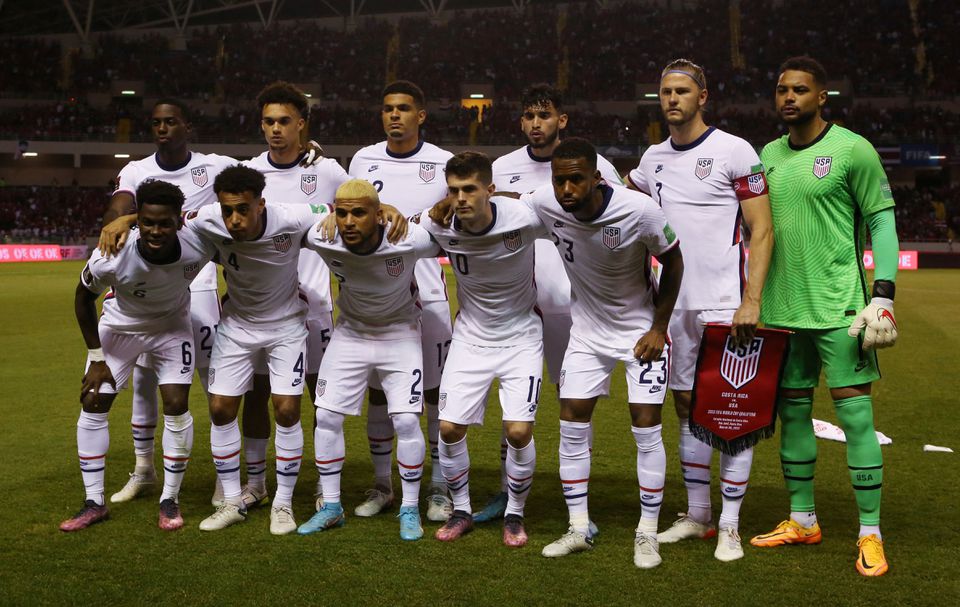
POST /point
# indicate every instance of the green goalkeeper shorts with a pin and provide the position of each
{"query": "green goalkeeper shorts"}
(845, 362)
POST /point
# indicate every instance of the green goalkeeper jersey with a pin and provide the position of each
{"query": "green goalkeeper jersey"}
(819, 196)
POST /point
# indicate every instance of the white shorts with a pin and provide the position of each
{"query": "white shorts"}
(237, 349)
(204, 316)
(436, 330)
(556, 335)
(686, 332)
(469, 371)
(351, 362)
(170, 355)
(587, 370)
(319, 330)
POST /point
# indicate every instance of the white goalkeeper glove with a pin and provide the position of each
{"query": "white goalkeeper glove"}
(877, 318)
(314, 154)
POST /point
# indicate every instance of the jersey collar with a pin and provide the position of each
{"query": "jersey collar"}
(174, 167)
(694, 143)
(289, 165)
(412, 152)
(536, 158)
(458, 227)
(607, 192)
(823, 133)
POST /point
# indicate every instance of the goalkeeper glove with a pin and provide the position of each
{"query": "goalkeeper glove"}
(877, 319)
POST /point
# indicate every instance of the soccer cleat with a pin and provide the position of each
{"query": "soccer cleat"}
(217, 500)
(460, 523)
(281, 520)
(685, 528)
(138, 484)
(377, 501)
(514, 535)
(410, 528)
(871, 562)
(90, 514)
(788, 532)
(439, 505)
(728, 545)
(254, 497)
(646, 550)
(494, 510)
(329, 517)
(170, 518)
(224, 516)
(570, 542)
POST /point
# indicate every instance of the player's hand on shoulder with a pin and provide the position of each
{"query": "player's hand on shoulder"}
(314, 154)
(398, 223)
(650, 346)
(442, 212)
(328, 228)
(114, 235)
(97, 374)
(877, 322)
(744, 324)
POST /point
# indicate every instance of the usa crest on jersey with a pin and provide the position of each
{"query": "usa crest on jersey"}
(704, 166)
(281, 242)
(321, 387)
(739, 364)
(756, 183)
(308, 184)
(394, 266)
(821, 166)
(199, 176)
(512, 240)
(428, 170)
(611, 237)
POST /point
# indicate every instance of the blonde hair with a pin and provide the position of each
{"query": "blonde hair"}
(357, 188)
(685, 66)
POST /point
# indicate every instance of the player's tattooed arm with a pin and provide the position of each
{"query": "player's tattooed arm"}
(114, 235)
(85, 308)
(650, 346)
(756, 214)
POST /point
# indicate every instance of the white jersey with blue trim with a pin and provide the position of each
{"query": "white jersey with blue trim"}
(194, 178)
(494, 268)
(410, 182)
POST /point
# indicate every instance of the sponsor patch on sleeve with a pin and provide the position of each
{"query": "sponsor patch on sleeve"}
(750, 186)
(669, 233)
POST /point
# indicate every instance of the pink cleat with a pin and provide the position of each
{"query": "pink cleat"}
(90, 514)
(514, 535)
(170, 517)
(460, 523)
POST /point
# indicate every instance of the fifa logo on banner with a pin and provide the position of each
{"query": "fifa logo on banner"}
(821, 166)
(704, 166)
(512, 240)
(308, 184)
(199, 176)
(740, 363)
(394, 266)
(428, 171)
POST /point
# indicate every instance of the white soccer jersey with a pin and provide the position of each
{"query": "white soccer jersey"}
(495, 287)
(291, 184)
(608, 262)
(378, 295)
(700, 186)
(261, 274)
(410, 182)
(195, 180)
(146, 297)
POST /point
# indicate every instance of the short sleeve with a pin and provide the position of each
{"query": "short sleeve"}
(128, 180)
(96, 275)
(867, 180)
(424, 244)
(637, 179)
(653, 229)
(745, 171)
(609, 172)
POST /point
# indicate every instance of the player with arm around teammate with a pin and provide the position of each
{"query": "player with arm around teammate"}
(146, 312)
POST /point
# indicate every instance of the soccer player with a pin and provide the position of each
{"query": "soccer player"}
(146, 312)
(408, 173)
(498, 334)
(606, 236)
(707, 181)
(827, 185)
(377, 334)
(284, 111)
(524, 170)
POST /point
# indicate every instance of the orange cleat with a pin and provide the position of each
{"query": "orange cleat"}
(871, 562)
(788, 532)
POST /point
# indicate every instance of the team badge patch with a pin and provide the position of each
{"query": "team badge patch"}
(281, 242)
(212, 375)
(428, 171)
(704, 166)
(756, 183)
(611, 238)
(443, 401)
(512, 240)
(191, 270)
(394, 266)
(563, 376)
(821, 166)
(321, 387)
(739, 364)
(308, 184)
(199, 176)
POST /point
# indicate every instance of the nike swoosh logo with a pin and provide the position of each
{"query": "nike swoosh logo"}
(863, 561)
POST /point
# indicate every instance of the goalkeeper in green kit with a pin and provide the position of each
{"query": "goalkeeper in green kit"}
(827, 186)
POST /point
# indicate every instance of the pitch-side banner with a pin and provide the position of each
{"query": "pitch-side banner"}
(29, 252)
(734, 401)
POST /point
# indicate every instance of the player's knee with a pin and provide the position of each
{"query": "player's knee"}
(681, 402)
(405, 424)
(576, 410)
(286, 411)
(328, 421)
(645, 416)
(451, 432)
(518, 435)
(96, 403)
(796, 393)
(222, 410)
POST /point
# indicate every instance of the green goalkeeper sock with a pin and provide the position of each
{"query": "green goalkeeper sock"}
(798, 451)
(864, 459)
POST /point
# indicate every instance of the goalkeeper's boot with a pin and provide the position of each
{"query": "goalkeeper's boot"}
(871, 562)
(788, 532)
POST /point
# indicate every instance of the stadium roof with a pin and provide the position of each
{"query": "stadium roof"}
(85, 16)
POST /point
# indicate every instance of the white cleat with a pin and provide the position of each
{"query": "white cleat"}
(646, 550)
(254, 497)
(377, 501)
(138, 484)
(226, 515)
(728, 545)
(439, 505)
(685, 528)
(281, 520)
(570, 542)
(217, 500)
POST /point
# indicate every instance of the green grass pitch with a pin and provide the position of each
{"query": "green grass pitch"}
(127, 560)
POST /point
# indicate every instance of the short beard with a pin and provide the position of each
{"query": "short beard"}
(799, 119)
(547, 142)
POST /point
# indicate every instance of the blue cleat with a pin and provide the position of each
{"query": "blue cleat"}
(410, 528)
(329, 517)
(493, 511)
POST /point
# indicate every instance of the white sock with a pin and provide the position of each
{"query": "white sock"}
(504, 482)
(520, 465)
(225, 446)
(380, 436)
(331, 451)
(433, 435)
(651, 473)
(177, 445)
(575, 471)
(255, 453)
(410, 453)
(93, 442)
(866, 530)
(455, 461)
(695, 457)
(804, 519)
(734, 475)
(143, 418)
(288, 443)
